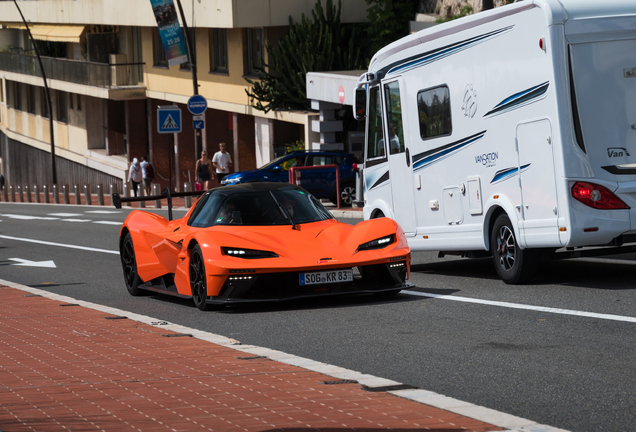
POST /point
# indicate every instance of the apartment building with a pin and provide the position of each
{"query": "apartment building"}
(107, 72)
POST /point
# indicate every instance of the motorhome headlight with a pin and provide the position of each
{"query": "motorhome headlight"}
(597, 196)
(377, 243)
(247, 253)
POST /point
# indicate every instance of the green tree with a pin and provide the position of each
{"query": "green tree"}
(388, 22)
(321, 43)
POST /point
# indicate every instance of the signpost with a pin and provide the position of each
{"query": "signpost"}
(169, 122)
(197, 106)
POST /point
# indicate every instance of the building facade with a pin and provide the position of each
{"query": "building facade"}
(107, 72)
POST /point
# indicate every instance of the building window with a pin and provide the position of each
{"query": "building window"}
(71, 96)
(191, 37)
(62, 107)
(434, 112)
(79, 102)
(160, 58)
(44, 104)
(17, 96)
(218, 51)
(255, 56)
(31, 99)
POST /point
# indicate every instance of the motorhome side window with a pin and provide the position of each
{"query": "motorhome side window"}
(434, 112)
(375, 135)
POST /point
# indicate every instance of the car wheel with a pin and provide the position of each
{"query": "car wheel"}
(129, 264)
(347, 195)
(514, 265)
(198, 280)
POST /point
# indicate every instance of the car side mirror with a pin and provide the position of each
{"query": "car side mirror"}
(361, 103)
(276, 168)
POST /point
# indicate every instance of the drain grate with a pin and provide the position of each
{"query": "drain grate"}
(116, 318)
(31, 295)
(342, 381)
(390, 388)
(251, 358)
(177, 335)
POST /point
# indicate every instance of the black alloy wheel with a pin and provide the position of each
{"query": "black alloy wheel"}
(129, 264)
(513, 264)
(198, 280)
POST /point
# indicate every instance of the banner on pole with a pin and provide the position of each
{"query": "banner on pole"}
(170, 31)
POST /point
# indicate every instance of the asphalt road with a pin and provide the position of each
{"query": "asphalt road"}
(554, 365)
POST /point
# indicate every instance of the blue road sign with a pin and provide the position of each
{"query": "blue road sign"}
(198, 124)
(168, 119)
(197, 104)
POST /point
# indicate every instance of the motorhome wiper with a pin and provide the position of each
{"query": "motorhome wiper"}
(283, 211)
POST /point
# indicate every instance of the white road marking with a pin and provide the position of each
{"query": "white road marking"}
(103, 211)
(76, 220)
(524, 306)
(108, 222)
(60, 245)
(65, 214)
(26, 217)
(487, 415)
(27, 263)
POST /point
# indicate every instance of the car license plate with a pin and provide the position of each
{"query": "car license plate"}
(325, 277)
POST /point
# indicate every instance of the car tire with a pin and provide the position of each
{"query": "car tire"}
(347, 195)
(514, 265)
(198, 280)
(129, 265)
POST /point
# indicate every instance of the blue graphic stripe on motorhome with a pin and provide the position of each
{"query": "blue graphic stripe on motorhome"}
(519, 99)
(383, 178)
(430, 157)
(507, 173)
(440, 53)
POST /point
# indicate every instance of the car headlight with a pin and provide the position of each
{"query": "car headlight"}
(233, 180)
(247, 253)
(377, 243)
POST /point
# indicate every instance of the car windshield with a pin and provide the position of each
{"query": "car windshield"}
(258, 209)
(273, 163)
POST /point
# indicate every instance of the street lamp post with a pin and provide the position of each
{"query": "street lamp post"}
(48, 96)
(193, 69)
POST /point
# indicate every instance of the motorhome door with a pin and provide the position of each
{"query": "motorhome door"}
(401, 172)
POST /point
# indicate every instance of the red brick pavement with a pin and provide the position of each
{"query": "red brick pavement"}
(67, 367)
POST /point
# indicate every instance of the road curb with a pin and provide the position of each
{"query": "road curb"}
(509, 422)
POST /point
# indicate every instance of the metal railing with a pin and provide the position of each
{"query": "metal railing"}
(75, 71)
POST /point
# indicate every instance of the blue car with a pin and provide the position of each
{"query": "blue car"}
(319, 182)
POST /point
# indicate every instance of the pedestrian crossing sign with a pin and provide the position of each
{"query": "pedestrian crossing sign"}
(168, 119)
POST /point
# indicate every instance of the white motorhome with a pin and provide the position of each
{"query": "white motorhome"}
(510, 132)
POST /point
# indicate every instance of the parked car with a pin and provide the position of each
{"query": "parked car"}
(319, 182)
(261, 242)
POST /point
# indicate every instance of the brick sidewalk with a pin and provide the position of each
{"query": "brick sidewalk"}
(68, 367)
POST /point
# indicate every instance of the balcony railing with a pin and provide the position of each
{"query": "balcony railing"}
(75, 71)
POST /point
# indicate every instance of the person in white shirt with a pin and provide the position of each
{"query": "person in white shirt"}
(134, 175)
(222, 161)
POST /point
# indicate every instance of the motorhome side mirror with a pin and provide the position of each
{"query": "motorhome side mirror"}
(361, 103)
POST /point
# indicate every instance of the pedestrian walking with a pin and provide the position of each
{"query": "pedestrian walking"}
(134, 175)
(147, 173)
(222, 161)
(204, 171)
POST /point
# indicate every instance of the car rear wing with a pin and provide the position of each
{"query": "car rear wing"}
(165, 194)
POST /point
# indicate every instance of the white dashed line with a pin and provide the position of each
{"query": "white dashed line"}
(76, 220)
(65, 214)
(524, 306)
(108, 222)
(60, 245)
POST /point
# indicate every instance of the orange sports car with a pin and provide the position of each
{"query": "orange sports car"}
(261, 242)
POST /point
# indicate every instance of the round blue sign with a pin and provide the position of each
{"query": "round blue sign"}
(197, 105)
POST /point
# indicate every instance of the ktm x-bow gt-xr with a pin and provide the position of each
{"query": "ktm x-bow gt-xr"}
(258, 242)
